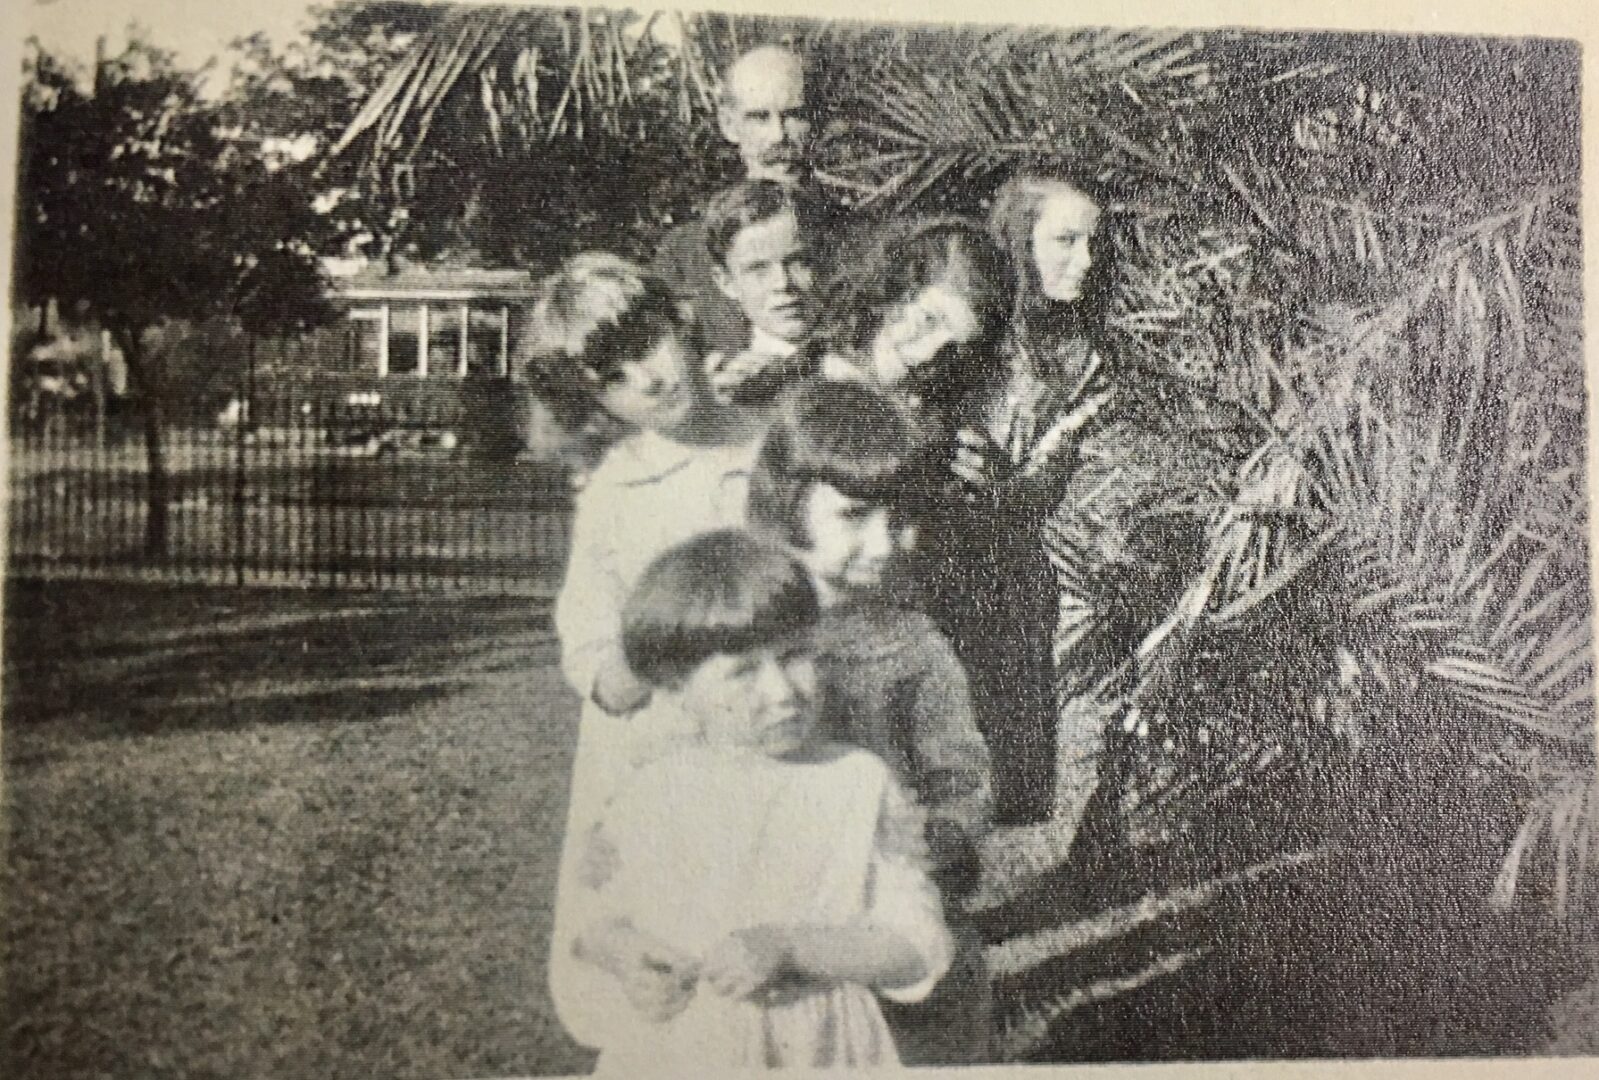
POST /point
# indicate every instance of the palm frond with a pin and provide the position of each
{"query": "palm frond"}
(540, 74)
(1009, 98)
(1021, 954)
(1023, 1033)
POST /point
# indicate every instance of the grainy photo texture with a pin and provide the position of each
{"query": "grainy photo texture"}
(545, 540)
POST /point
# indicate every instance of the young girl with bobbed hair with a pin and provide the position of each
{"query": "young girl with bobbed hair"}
(921, 312)
(839, 482)
(762, 887)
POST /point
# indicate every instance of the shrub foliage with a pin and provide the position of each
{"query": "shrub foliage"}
(1357, 261)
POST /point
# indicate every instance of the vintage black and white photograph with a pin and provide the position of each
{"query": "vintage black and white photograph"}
(547, 540)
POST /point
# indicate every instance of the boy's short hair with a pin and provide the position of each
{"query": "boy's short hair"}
(750, 202)
(849, 436)
(721, 592)
(595, 314)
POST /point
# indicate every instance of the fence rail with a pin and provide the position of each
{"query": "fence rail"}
(317, 494)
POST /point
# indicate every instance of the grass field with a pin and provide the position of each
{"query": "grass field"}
(257, 833)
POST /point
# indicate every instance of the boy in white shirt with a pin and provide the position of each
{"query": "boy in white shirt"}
(762, 238)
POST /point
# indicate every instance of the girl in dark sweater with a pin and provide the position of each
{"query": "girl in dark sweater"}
(837, 481)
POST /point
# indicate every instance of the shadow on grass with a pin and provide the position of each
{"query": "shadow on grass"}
(116, 660)
(341, 898)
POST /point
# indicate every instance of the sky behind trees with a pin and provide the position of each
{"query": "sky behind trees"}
(196, 32)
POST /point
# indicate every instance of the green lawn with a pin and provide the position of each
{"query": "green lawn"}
(279, 833)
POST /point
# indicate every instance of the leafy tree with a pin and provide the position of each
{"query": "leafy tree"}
(137, 206)
(296, 100)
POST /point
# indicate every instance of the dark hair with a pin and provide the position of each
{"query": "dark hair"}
(750, 202)
(594, 315)
(907, 256)
(721, 592)
(1012, 218)
(849, 436)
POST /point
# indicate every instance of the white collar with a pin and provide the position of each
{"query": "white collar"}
(645, 457)
(765, 344)
(836, 367)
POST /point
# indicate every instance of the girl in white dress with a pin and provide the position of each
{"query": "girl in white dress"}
(607, 341)
(750, 895)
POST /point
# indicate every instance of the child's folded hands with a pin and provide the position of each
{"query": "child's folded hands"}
(747, 962)
(660, 982)
(616, 689)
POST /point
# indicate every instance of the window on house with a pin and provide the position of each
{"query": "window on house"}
(485, 341)
(459, 339)
(405, 339)
(444, 340)
(363, 342)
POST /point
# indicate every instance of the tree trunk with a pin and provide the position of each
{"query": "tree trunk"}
(142, 378)
(99, 376)
(155, 522)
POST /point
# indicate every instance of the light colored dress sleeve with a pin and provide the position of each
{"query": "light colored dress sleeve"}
(900, 894)
(588, 609)
(589, 1001)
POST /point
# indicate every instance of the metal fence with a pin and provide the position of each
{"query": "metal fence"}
(352, 493)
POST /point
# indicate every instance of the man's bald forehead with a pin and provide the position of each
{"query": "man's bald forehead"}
(761, 67)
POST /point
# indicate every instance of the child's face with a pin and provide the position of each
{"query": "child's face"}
(853, 542)
(917, 332)
(762, 699)
(655, 391)
(768, 272)
(1061, 237)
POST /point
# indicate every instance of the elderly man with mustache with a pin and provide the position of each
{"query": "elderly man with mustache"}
(767, 112)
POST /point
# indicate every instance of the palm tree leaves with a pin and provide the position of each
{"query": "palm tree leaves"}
(1022, 1034)
(1189, 302)
(921, 137)
(940, 126)
(1385, 525)
(516, 135)
(1390, 538)
(1566, 811)
(1349, 301)
(1012, 961)
(1018, 955)
(1529, 667)
(532, 76)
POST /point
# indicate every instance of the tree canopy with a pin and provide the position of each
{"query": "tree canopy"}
(138, 205)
